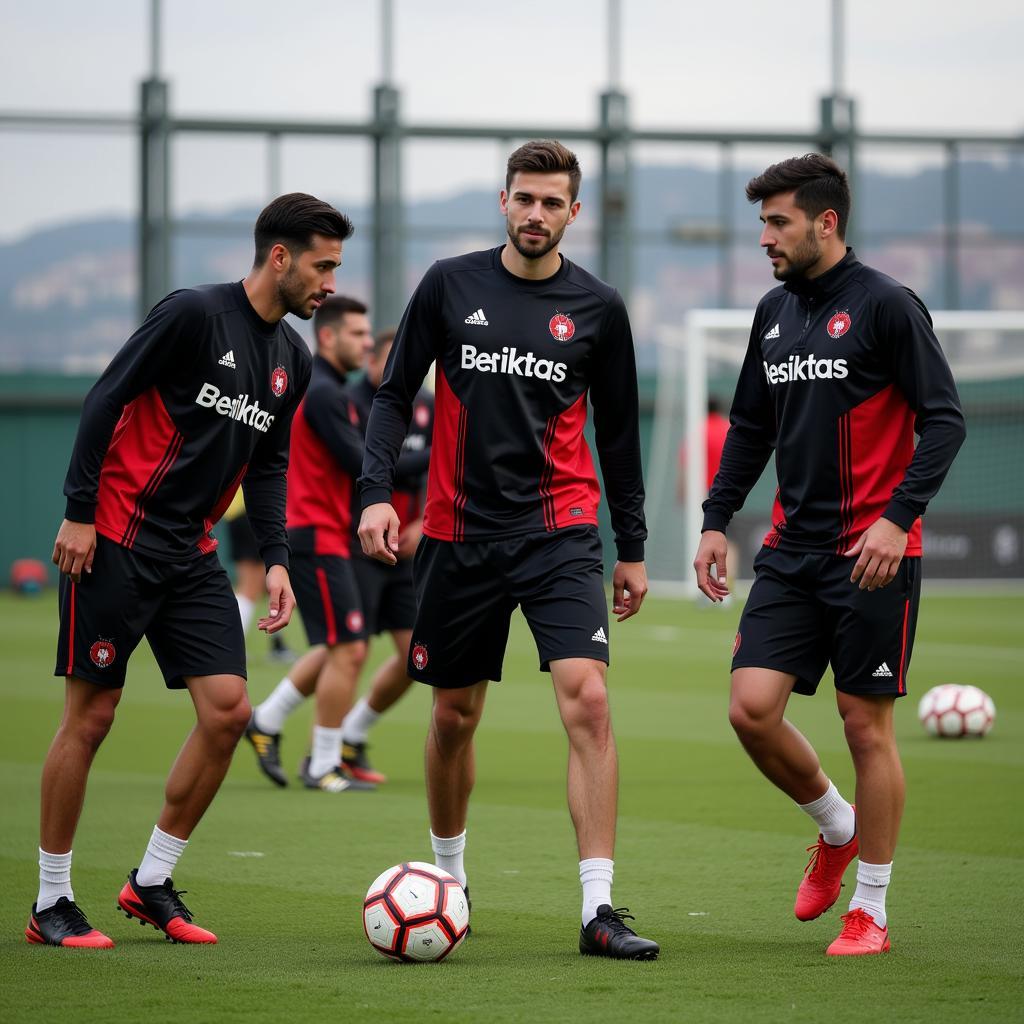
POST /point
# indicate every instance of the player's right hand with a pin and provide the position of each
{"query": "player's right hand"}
(75, 548)
(713, 550)
(378, 532)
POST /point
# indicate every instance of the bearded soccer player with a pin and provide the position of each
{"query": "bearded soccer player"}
(326, 457)
(842, 369)
(520, 336)
(200, 398)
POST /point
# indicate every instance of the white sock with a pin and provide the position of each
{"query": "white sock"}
(872, 883)
(54, 878)
(161, 856)
(326, 750)
(270, 715)
(596, 879)
(833, 815)
(245, 610)
(449, 853)
(359, 721)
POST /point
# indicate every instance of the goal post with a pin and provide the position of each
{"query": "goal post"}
(974, 530)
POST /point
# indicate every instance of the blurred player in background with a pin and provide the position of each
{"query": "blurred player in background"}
(200, 396)
(842, 369)
(326, 456)
(250, 584)
(388, 594)
(520, 337)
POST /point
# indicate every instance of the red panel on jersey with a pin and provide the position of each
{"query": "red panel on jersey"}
(876, 444)
(446, 498)
(568, 485)
(207, 543)
(774, 535)
(319, 490)
(142, 449)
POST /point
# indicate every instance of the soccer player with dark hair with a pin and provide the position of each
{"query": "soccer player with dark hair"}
(842, 369)
(199, 400)
(520, 336)
(326, 457)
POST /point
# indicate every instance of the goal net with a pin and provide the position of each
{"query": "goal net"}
(974, 529)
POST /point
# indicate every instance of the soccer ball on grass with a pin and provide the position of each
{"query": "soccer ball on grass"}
(952, 710)
(415, 912)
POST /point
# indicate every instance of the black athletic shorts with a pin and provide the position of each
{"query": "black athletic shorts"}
(466, 593)
(387, 592)
(803, 613)
(185, 609)
(328, 598)
(244, 546)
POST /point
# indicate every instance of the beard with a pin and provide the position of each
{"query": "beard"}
(803, 257)
(532, 251)
(293, 295)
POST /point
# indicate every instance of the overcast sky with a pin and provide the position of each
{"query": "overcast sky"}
(733, 64)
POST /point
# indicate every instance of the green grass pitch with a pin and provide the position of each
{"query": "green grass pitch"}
(708, 856)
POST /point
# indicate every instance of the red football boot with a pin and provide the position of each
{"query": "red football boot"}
(161, 906)
(823, 877)
(860, 936)
(64, 924)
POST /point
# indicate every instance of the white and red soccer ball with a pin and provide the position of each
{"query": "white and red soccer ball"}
(951, 710)
(415, 912)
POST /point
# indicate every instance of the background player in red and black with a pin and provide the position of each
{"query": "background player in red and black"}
(521, 336)
(388, 594)
(842, 370)
(200, 397)
(326, 455)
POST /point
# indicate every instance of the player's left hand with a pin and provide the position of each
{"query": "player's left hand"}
(282, 600)
(629, 586)
(880, 550)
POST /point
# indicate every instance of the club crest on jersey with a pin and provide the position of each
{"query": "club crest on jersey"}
(279, 381)
(839, 325)
(354, 621)
(419, 656)
(102, 654)
(561, 327)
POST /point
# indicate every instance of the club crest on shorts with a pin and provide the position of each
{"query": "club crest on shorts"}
(839, 324)
(561, 327)
(102, 654)
(354, 621)
(419, 656)
(736, 643)
(279, 381)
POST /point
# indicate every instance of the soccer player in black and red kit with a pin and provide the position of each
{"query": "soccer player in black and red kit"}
(326, 456)
(842, 369)
(198, 400)
(520, 337)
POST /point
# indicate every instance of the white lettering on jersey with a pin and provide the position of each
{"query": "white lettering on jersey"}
(239, 408)
(509, 361)
(810, 368)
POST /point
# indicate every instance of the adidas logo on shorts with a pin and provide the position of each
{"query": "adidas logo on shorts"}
(882, 672)
(599, 636)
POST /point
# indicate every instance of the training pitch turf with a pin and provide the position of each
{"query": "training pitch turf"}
(708, 858)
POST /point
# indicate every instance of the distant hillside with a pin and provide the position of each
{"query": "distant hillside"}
(67, 294)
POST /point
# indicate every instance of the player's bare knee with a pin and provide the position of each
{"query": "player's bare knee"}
(866, 734)
(587, 711)
(749, 720)
(91, 724)
(454, 723)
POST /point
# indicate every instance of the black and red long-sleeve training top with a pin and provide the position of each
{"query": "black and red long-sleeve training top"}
(326, 457)
(516, 360)
(841, 371)
(200, 396)
(408, 500)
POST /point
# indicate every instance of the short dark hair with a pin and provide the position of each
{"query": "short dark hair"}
(292, 220)
(817, 182)
(383, 338)
(332, 310)
(545, 156)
